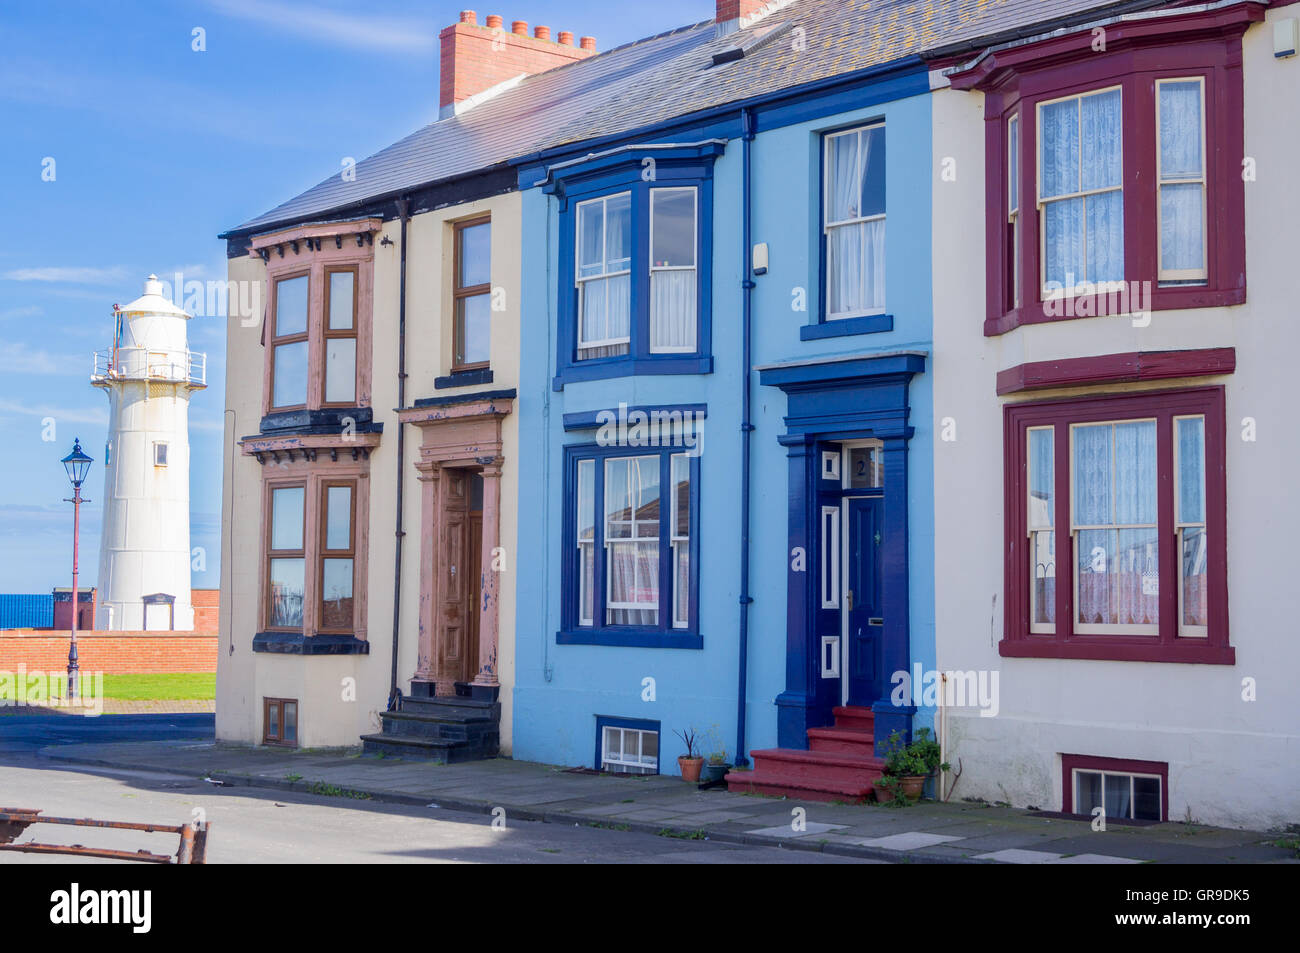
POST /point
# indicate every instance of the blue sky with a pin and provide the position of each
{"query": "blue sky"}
(157, 148)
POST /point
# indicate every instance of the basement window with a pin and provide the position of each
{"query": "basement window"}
(628, 746)
(1124, 790)
(280, 721)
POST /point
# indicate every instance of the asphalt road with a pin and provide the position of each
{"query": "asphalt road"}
(251, 825)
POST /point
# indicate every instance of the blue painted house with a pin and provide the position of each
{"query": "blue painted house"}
(725, 406)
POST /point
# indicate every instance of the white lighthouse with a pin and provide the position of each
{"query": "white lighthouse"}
(144, 554)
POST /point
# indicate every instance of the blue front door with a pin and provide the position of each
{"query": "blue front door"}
(862, 599)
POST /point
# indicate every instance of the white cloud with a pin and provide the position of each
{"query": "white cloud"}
(18, 358)
(364, 31)
(80, 415)
(76, 276)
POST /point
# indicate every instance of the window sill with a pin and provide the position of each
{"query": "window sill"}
(630, 639)
(326, 420)
(631, 367)
(295, 643)
(467, 378)
(1119, 649)
(843, 327)
(1162, 299)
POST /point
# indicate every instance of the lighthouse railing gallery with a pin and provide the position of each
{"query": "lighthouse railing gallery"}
(138, 363)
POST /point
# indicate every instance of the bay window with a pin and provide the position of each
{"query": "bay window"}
(631, 547)
(286, 558)
(1129, 159)
(635, 262)
(1115, 528)
(340, 336)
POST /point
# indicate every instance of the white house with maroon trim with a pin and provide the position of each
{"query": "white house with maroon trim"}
(1115, 415)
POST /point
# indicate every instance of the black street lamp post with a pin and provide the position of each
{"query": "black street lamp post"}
(78, 465)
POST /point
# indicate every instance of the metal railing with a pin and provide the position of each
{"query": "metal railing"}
(142, 364)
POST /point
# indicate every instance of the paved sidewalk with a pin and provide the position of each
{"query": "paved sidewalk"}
(956, 832)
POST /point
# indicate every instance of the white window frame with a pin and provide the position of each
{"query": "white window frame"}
(583, 545)
(580, 280)
(830, 557)
(1050, 294)
(1132, 791)
(1081, 628)
(675, 541)
(643, 763)
(695, 257)
(632, 540)
(828, 225)
(1192, 275)
(1014, 173)
(1040, 628)
(1184, 630)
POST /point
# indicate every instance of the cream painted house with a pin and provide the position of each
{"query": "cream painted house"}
(1119, 546)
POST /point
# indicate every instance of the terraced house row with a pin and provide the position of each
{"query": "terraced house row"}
(812, 373)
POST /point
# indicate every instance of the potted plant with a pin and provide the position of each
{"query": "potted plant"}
(907, 766)
(715, 765)
(691, 762)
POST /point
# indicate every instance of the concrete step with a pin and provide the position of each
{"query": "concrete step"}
(806, 789)
(427, 749)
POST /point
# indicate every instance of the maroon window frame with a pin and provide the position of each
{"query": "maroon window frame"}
(1138, 53)
(1081, 762)
(1167, 646)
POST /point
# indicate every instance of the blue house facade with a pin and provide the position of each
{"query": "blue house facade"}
(725, 411)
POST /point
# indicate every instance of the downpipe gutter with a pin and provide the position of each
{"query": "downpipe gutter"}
(404, 213)
(746, 426)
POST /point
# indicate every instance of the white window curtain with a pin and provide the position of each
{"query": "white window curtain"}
(1182, 181)
(1115, 521)
(632, 511)
(604, 276)
(855, 223)
(672, 270)
(1081, 161)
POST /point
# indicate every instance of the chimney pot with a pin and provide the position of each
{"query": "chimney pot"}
(542, 32)
(493, 21)
(566, 38)
(588, 42)
(468, 16)
(519, 27)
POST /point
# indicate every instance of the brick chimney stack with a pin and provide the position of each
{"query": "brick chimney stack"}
(476, 58)
(731, 12)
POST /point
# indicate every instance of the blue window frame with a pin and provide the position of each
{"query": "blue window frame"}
(631, 547)
(627, 745)
(852, 234)
(634, 276)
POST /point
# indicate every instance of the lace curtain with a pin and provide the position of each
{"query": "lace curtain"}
(855, 252)
(672, 310)
(1182, 225)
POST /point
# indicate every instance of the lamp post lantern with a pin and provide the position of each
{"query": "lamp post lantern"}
(77, 464)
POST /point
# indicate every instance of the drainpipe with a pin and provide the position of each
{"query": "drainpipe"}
(404, 213)
(746, 428)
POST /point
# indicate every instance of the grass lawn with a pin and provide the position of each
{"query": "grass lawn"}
(162, 686)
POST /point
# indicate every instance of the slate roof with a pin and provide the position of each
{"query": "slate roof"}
(672, 75)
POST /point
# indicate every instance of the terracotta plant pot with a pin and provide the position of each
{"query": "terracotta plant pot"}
(913, 786)
(883, 794)
(690, 767)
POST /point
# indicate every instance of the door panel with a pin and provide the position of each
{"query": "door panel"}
(865, 618)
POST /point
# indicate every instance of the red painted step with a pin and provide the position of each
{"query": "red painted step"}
(760, 782)
(817, 765)
(857, 717)
(849, 741)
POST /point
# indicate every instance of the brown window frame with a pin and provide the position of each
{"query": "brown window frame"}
(328, 334)
(460, 294)
(275, 341)
(278, 739)
(271, 553)
(323, 552)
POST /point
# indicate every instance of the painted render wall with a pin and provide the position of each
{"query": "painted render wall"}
(245, 677)
(1231, 762)
(561, 688)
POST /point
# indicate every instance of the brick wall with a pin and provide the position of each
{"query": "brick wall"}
(113, 653)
